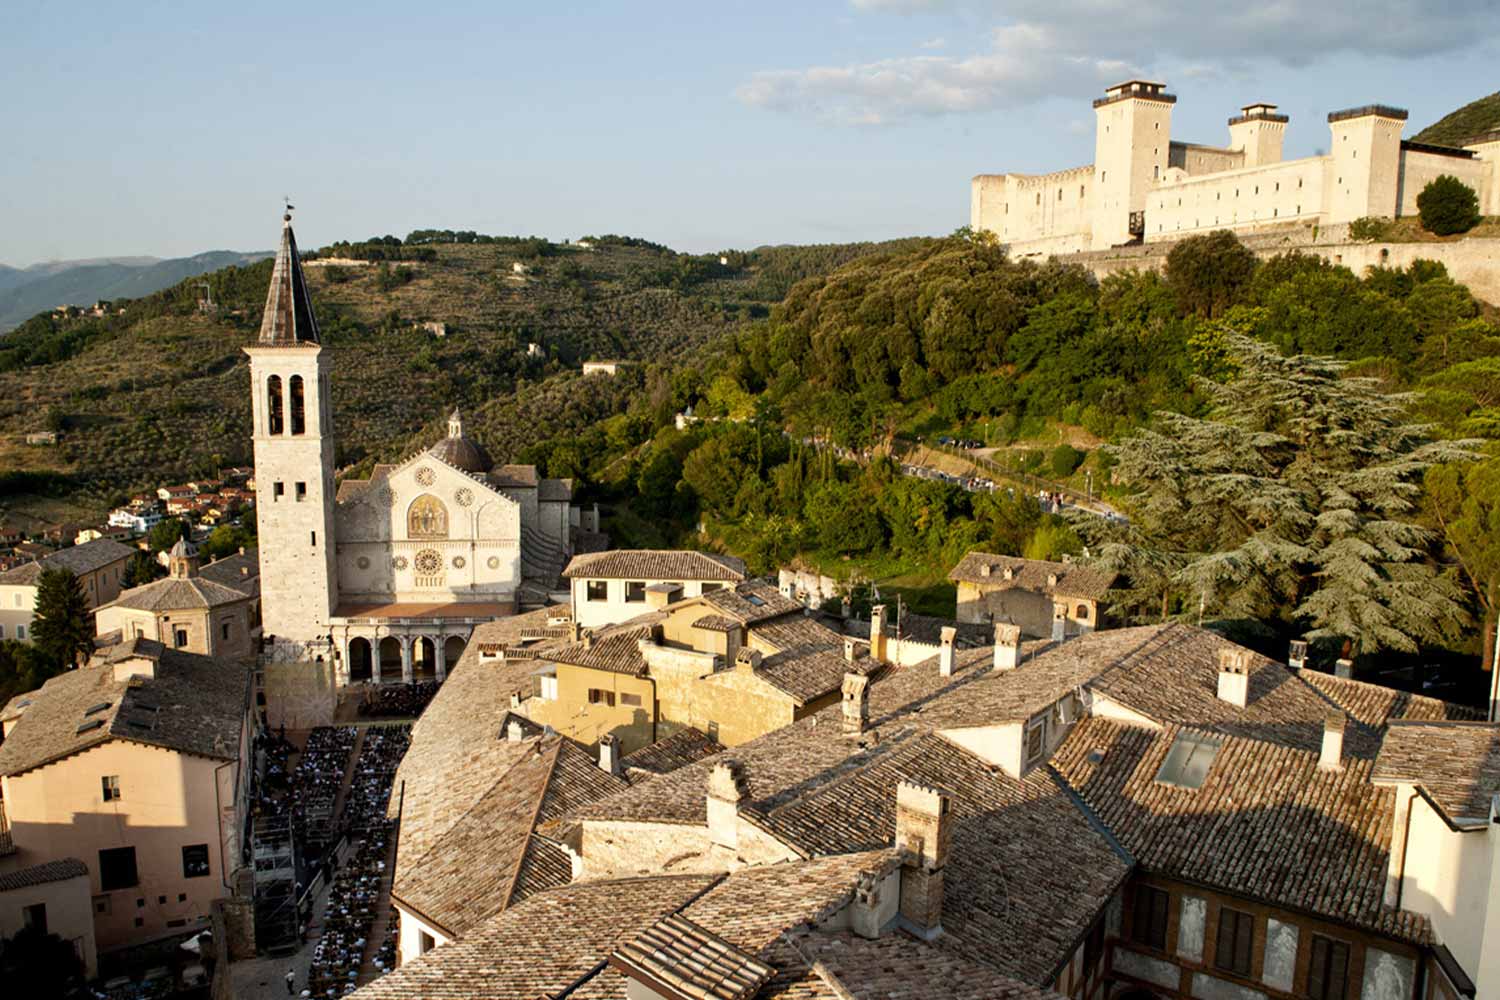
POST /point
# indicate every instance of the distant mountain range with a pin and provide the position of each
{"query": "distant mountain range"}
(24, 292)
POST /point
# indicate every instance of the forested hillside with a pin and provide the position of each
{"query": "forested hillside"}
(1473, 119)
(1300, 450)
(162, 390)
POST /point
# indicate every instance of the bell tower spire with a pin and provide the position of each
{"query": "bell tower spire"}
(294, 463)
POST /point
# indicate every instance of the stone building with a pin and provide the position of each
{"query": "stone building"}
(1047, 599)
(52, 897)
(389, 575)
(1146, 186)
(187, 610)
(134, 764)
(1140, 812)
(99, 565)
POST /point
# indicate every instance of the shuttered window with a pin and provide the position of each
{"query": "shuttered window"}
(1236, 941)
(1328, 972)
(1149, 926)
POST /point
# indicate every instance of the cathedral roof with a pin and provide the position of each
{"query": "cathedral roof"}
(288, 320)
(459, 450)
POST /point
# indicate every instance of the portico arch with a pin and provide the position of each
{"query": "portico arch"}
(361, 660)
(390, 657)
(423, 658)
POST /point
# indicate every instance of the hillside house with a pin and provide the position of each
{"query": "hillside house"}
(99, 565)
(611, 587)
(1047, 599)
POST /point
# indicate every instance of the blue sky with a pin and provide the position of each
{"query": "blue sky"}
(169, 129)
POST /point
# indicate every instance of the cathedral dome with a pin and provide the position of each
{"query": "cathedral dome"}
(460, 451)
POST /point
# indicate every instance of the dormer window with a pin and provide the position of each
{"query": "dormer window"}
(1036, 739)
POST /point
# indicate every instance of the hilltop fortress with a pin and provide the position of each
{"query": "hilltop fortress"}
(1145, 186)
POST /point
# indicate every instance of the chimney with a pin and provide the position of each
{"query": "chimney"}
(1007, 646)
(1343, 668)
(856, 703)
(588, 638)
(726, 793)
(786, 582)
(986, 569)
(865, 909)
(1059, 621)
(659, 595)
(945, 651)
(922, 830)
(877, 632)
(513, 731)
(1010, 573)
(574, 633)
(1051, 580)
(609, 755)
(1234, 676)
(845, 608)
(1331, 757)
(851, 652)
(1296, 654)
(747, 658)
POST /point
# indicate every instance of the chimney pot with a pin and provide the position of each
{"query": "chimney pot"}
(726, 793)
(1007, 646)
(986, 569)
(1234, 676)
(923, 830)
(1331, 757)
(849, 650)
(1296, 654)
(1344, 668)
(1051, 579)
(609, 754)
(945, 651)
(877, 632)
(1010, 573)
(513, 731)
(856, 691)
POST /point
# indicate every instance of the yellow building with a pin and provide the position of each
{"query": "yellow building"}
(135, 764)
(1053, 600)
(734, 664)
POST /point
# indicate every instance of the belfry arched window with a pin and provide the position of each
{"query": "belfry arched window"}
(274, 413)
(298, 407)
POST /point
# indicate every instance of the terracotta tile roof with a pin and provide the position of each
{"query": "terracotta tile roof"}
(792, 631)
(51, 871)
(1026, 868)
(752, 603)
(173, 593)
(897, 967)
(195, 704)
(555, 490)
(469, 871)
(1073, 579)
(1267, 822)
(240, 571)
(551, 943)
(1375, 705)
(514, 476)
(350, 488)
(927, 629)
(656, 564)
(1456, 763)
(616, 650)
(691, 961)
(716, 623)
(1046, 674)
(1170, 674)
(671, 752)
(807, 673)
(80, 559)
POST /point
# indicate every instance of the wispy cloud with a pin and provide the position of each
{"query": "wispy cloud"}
(1069, 47)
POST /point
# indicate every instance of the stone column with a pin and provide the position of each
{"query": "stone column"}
(440, 652)
(406, 668)
(375, 658)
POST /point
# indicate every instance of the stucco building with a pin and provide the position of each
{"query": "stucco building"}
(99, 565)
(1145, 185)
(187, 610)
(52, 897)
(610, 587)
(136, 765)
(387, 576)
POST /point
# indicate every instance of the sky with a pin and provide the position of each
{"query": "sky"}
(170, 129)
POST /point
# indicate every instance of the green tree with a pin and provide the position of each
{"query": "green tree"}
(1210, 273)
(23, 668)
(165, 533)
(141, 569)
(844, 520)
(1464, 501)
(1293, 499)
(63, 627)
(1065, 460)
(35, 964)
(1447, 205)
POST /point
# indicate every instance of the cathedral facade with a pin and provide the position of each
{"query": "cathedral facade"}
(385, 576)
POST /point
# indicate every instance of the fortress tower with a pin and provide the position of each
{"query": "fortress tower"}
(293, 463)
(1258, 132)
(1133, 129)
(1364, 162)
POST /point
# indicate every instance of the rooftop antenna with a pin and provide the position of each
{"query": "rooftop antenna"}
(287, 200)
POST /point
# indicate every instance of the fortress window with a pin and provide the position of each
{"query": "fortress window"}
(273, 405)
(1278, 185)
(1299, 182)
(1080, 190)
(278, 490)
(313, 538)
(1257, 189)
(299, 412)
(301, 492)
(1039, 197)
(1059, 194)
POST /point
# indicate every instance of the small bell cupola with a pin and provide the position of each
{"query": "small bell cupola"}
(183, 559)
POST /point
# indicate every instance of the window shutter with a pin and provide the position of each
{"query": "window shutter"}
(1244, 943)
(1159, 902)
(1317, 970)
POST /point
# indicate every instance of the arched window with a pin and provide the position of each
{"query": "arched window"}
(299, 410)
(274, 419)
(1082, 612)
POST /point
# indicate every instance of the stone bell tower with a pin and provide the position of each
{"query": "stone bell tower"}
(294, 492)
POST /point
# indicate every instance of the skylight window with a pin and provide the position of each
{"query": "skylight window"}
(90, 726)
(1189, 760)
(755, 600)
(97, 708)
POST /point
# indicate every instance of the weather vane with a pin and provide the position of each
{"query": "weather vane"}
(287, 199)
